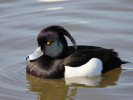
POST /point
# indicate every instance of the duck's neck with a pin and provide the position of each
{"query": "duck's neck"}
(64, 52)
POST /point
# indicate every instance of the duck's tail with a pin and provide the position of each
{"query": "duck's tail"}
(124, 62)
(113, 62)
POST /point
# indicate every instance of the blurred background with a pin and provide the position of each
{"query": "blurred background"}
(105, 23)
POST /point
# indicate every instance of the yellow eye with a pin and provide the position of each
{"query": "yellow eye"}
(48, 43)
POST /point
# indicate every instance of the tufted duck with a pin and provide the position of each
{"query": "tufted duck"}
(55, 59)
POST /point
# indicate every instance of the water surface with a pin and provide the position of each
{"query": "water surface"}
(99, 22)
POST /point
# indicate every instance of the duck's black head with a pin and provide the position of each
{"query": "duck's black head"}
(52, 41)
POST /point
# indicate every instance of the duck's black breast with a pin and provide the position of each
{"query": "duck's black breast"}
(83, 54)
(46, 67)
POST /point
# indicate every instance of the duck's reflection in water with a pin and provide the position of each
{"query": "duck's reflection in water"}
(60, 89)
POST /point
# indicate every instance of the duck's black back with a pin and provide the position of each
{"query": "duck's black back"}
(83, 54)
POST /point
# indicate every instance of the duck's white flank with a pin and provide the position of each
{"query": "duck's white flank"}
(92, 68)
